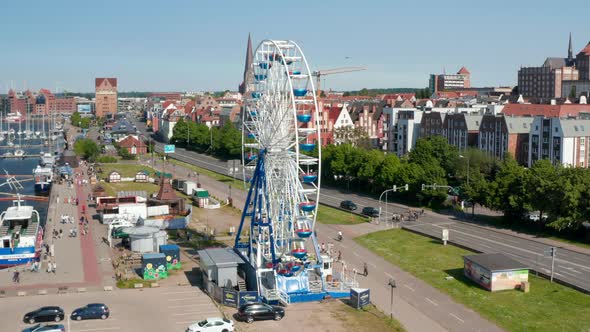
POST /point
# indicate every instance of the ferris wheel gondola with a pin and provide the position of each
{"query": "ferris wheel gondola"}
(281, 150)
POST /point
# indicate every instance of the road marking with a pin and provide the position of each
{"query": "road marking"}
(170, 293)
(100, 329)
(456, 317)
(433, 303)
(355, 253)
(185, 306)
(183, 299)
(192, 313)
(410, 288)
(389, 275)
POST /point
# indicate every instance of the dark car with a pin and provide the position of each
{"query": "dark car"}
(91, 311)
(370, 211)
(44, 314)
(348, 205)
(258, 311)
(119, 233)
(45, 328)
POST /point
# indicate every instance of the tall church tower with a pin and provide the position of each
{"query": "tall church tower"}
(247, 67)
(570, 53)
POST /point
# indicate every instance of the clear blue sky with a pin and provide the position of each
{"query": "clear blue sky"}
(200, 44)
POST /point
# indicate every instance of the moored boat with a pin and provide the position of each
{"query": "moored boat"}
(20, 235)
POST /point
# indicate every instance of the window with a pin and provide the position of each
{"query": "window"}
(556, 129)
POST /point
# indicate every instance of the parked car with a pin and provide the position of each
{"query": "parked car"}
(215, 324)
(119, 233)
(45, 328)
(91, 311)
(258, 311)
(44, 314)
(370, 211)
(348, 205)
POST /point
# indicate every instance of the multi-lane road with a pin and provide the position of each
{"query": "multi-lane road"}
(571, 267)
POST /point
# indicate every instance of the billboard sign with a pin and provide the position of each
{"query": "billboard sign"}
(360, 297)
(248, 297)
(83, 108)
(169, 148)
(230, 297)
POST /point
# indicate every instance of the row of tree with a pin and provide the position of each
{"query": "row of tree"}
(560, 196)
(224, 142)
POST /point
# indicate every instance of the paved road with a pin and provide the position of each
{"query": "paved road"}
(157, 309)
(571, 267)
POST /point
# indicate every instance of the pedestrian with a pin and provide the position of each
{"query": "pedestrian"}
(49, 266)
(17, 277)
(14, 276)
(339, 256)
(60, 232)
(54, 267)
(323, 247)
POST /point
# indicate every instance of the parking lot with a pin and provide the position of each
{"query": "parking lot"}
(158, 309)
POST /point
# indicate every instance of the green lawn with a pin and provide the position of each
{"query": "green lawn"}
(368, 318)
(126, 170)
(235, 183)
(548, 307)
(330, 215)
(112, 188)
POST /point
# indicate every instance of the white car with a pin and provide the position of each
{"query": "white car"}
(215, 324)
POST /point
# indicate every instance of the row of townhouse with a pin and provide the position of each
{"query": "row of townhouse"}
(167, 109)
(529, 132)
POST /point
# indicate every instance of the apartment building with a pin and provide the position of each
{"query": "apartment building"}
(499, 134)
(562, 141)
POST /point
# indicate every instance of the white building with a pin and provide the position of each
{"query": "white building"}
(407, 131)
(562, 141)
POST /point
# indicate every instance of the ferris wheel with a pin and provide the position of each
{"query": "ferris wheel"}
(280, 130)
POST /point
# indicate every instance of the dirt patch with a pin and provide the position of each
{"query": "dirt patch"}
(328, 316)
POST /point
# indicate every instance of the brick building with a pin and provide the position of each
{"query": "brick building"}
(106, 96)
(499, 134)
(133, 145)
(442, 82)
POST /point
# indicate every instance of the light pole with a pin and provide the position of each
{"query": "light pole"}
(394, 189)
(472, 203)
(392, 285)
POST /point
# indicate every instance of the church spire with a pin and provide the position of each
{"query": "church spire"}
(248, 65)
(570, 52)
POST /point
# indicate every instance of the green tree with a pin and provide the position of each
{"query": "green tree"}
(508, 190)
(231, 141)
(541, 182)
(180, 133)
(87, 149)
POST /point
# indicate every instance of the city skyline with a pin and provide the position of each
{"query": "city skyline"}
(186, 47)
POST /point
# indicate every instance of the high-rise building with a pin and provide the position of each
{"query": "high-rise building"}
(106, 96)
(444, 82)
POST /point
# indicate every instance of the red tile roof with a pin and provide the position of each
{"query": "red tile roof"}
(455, 94)
(586, 50)
(334, 113)
(550, 111)
(463, 71)
(129, 141)
(112, 81)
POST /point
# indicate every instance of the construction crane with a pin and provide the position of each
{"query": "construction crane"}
(322, 72)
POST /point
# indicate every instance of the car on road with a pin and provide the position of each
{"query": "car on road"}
(44, 314)
(91, 311)
(370, 211)
(45, 328)
(214, 324)
(260, 311)
(348, 205)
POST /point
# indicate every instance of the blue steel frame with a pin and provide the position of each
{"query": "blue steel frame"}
(257, 189)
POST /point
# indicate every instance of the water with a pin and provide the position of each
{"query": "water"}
(19, 166)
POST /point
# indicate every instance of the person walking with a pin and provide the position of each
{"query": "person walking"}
(339, 256)
(54, 267)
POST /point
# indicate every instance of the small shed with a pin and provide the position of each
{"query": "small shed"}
(172, 253)
(141, 176)
(495, 272)
(114, 177)
(220, 266)
(153, 266)
(200, 197)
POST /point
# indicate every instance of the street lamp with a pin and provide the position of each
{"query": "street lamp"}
(394, 189)
(392, 285)
(198, 180)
